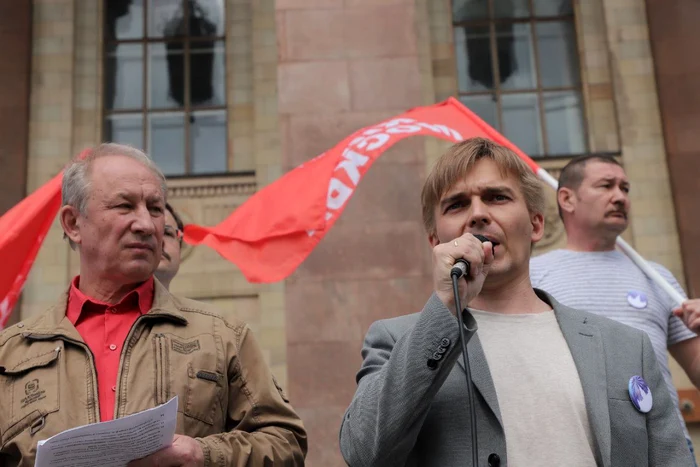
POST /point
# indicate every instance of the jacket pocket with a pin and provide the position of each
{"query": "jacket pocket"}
(197, 375)
(30, 390)
(204, 389)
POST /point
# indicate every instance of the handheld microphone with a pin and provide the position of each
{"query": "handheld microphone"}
(462, 266)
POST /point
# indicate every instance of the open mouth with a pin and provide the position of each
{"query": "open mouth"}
(484, 238)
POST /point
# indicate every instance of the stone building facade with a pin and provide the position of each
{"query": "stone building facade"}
(297, 76)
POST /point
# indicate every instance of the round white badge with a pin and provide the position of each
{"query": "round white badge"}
(637, 299)
(640, 394)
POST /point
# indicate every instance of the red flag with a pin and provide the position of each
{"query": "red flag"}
(269, 236)
(22, 230)
(265, 237)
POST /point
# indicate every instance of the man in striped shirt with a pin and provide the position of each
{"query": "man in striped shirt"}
(589, 274)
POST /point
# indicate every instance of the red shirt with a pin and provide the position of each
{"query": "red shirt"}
(104, 328)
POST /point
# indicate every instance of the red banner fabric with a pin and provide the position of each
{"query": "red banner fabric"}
(272, 233)
(22, 230)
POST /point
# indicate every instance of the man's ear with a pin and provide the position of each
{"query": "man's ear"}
(433, 240)
(566, 199)
(537, 221)
(69, 221)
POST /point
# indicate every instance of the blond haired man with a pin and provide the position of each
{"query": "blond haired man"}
(551, 383)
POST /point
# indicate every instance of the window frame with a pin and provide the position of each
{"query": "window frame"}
(109, 46)
(491, 22)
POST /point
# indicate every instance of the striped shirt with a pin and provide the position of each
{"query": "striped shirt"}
(608, 283)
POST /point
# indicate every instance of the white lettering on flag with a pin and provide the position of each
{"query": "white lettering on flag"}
(372, 139)
(351, 164)
(338, 194)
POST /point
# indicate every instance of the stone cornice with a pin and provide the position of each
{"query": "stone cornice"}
(212, 187)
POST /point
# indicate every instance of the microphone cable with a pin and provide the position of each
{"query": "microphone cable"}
(459, 270)
(456, 275)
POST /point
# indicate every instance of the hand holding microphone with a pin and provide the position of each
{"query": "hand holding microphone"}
(469, 257)
(462, 266)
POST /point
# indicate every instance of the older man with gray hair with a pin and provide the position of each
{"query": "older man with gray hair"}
(117, 342)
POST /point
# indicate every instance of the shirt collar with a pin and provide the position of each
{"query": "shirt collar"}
(142, 294)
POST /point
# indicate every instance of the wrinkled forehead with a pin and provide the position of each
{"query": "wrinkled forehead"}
(123, 176)
(466, 179)
(596, 170)
(128, 187)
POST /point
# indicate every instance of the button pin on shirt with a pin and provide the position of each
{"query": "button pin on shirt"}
(112, 347)
(637, 299)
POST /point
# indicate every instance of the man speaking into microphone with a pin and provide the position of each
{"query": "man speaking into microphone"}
(551, 385)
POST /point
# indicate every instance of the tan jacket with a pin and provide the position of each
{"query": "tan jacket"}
(228, 398)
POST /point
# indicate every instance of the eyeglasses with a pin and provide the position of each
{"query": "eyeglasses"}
(172, 232)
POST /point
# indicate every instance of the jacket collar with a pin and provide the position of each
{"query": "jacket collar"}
(54, 323)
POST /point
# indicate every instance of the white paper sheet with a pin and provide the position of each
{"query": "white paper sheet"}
(111, 444)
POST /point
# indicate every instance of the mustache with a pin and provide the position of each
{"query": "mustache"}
(620, 210)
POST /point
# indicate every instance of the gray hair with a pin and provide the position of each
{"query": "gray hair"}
(76, 176)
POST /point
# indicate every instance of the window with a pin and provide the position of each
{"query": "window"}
(517, 68)
(165, 82)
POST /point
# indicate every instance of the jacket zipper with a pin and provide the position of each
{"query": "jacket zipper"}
(161, 369)
(161, 364)
(126, 350)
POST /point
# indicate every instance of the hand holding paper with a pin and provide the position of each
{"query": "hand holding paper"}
(113, 443)
(184, 452)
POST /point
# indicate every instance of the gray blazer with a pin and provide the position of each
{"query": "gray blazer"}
(411, 409)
